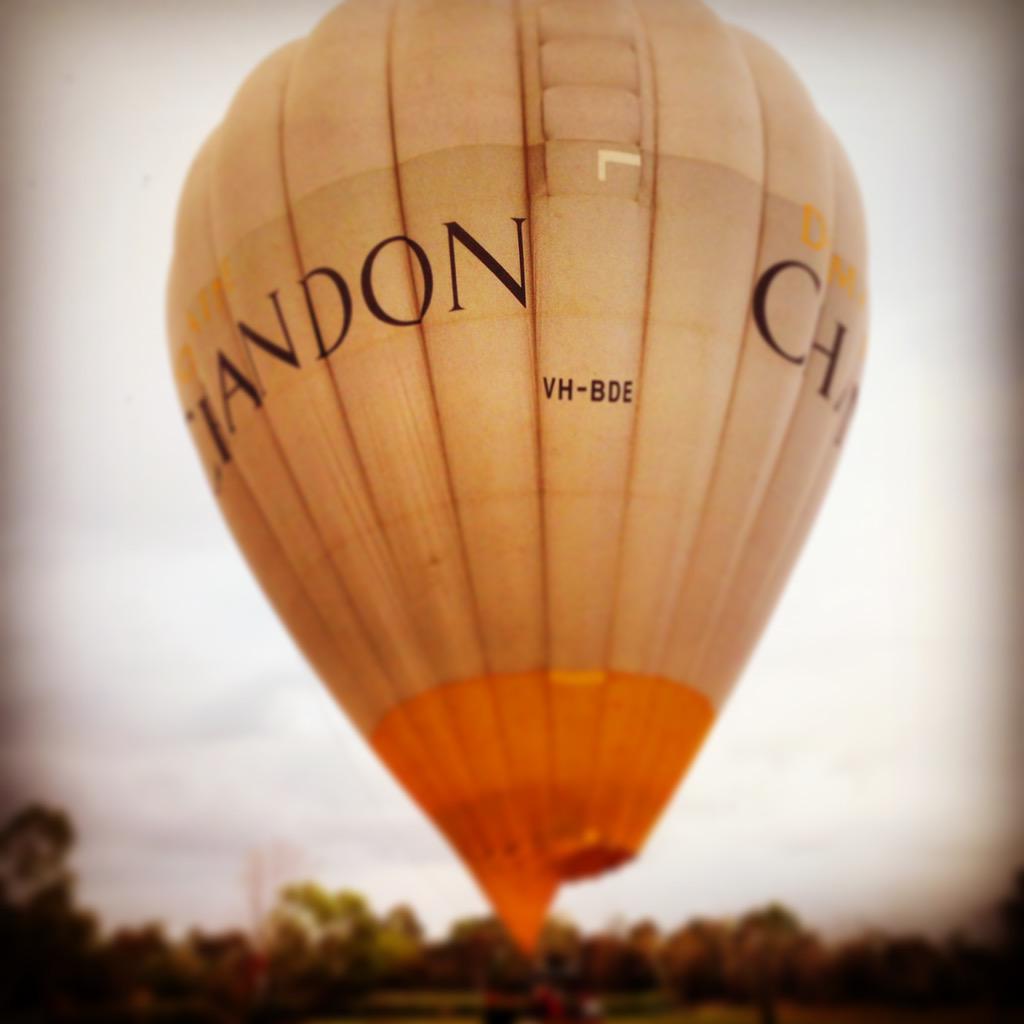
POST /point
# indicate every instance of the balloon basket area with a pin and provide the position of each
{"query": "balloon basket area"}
(543, 778)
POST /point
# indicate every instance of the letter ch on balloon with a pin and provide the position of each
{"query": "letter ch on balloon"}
(519, 341)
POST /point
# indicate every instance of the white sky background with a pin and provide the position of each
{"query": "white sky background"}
(867, 769)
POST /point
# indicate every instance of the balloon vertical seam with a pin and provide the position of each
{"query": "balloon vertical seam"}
(467, 577)
(648, 74)
(676, 598)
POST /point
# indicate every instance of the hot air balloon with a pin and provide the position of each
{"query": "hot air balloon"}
(519, 339)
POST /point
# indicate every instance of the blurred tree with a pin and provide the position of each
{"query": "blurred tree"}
(645, 943)
(612, 963)
(399, 943)
(403, 921)
(323, 948)
(485, 951)
(1011, 914)
(763, 946)
(342, 914)
(645, 938)
(694, 960)
(34, 847)
(560, 941)
(810, 966)
(326, 949)
(50, 955)
(857, 967)
(972, 968)
(599, 956)
(144, 968)
(913, 972)
(222, 962)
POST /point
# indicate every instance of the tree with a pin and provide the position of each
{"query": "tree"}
(49, 943)
(694, 960)
(559, 943)
(34, 847)
(1011, 914)
(485, 951)
(763, 947)
(399, 944)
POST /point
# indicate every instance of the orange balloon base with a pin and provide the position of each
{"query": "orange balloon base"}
(544, 777)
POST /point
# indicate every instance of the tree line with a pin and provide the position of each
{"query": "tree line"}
(322, 952)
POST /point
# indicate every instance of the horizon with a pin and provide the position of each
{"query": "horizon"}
(984, 926)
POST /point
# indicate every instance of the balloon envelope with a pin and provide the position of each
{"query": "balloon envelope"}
(518, 340)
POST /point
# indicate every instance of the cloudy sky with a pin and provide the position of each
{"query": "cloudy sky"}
(867, 771)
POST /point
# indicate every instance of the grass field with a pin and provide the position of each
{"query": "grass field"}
(786, 1015)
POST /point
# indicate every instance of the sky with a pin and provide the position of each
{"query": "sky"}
(867, 771)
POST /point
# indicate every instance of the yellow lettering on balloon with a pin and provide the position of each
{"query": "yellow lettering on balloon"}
(226, 280)
(814, 231)
(218, 286)
(185, 368)
(843, 274)
(564, 677)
